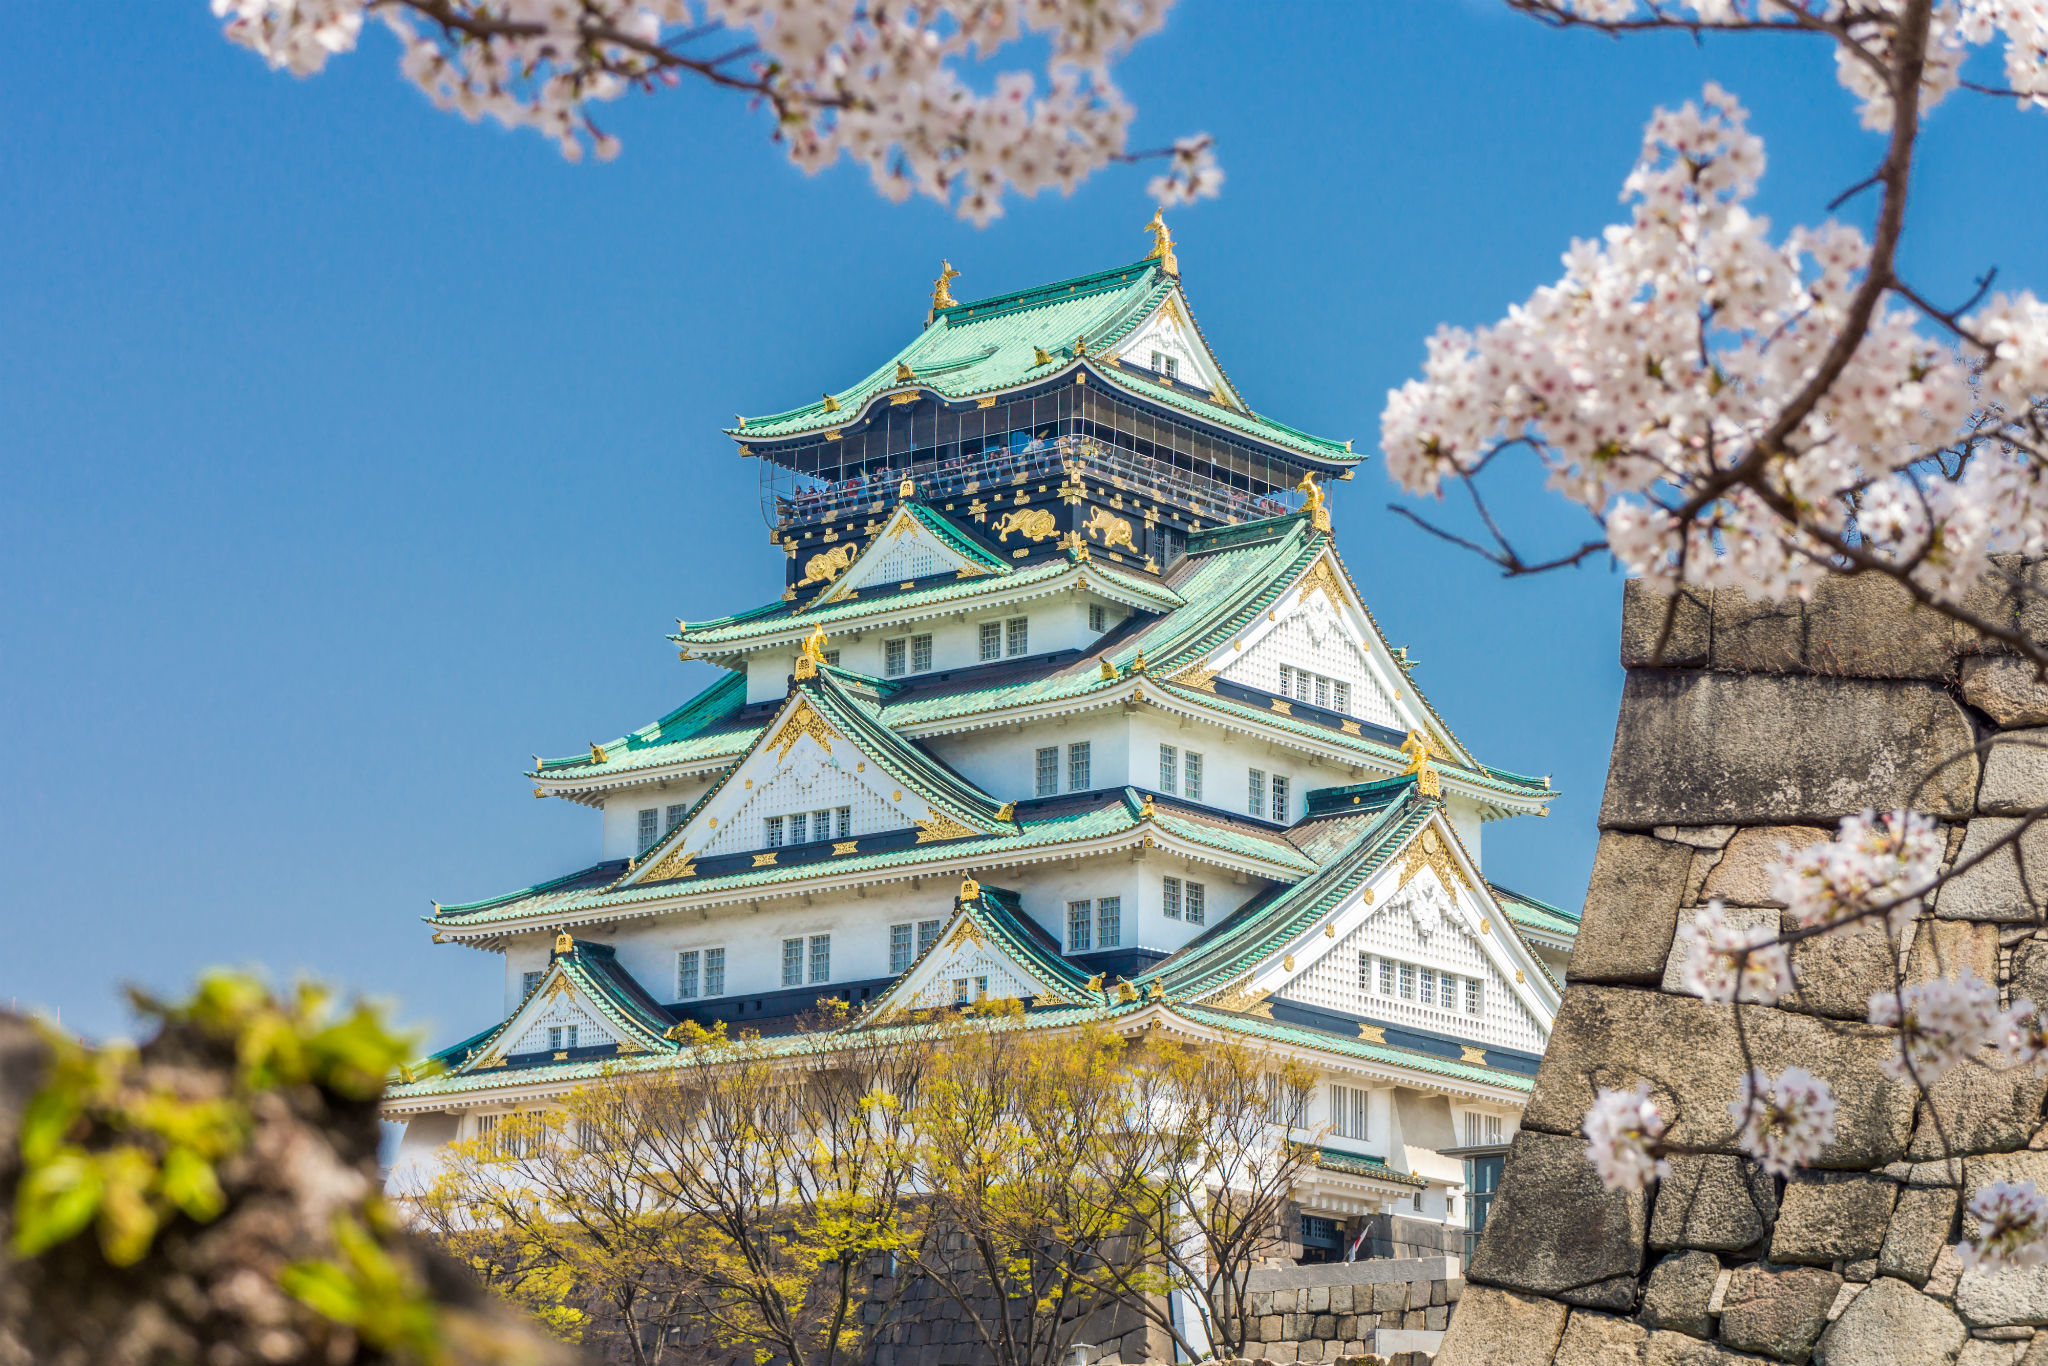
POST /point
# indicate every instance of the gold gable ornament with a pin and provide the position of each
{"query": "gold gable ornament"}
(904, 374)
(1417, 748)
(813, 654)
(1312, 502)
(970, 890)
(942, 296)
(564, 944)
(1125, 993)
(1162, 243)
(940, 826)
(677, 865)
(804, 720)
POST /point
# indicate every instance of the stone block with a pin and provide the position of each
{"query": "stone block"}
(1555, 1230)
(1347, 1326)
(1600, 1340)
(1323, 1326)
(1388, 1295)
(2015, 773)
(1743, 876)
(2011, 883)
(1676, 1349)
(1645, 609)
(1920, 1226)
(1501, 1328)
(1695, 748)
(1747, 917)
(1779, 1312)
(1756, 634)
(1715, 1202)
(1891, 1324)
(1835, 973)
(1340, 1299)
(1412, 1321)
(2007, 689)
(1678, 1291)
(1269, 1328)
(1978, 1352)
(1614, 1036)
(2016, 1296)
(1979, 1108)
(1945, 948)
(1631, 910)
(1315, 1299)
(1308, 1351)
(1979, 1172)
(1281, 1353)
(1436, 1317)
(1825, 1218)
(1867, 626)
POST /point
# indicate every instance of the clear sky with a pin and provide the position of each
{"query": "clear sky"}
(351, 454)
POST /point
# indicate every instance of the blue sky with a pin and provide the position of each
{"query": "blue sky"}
(350, 454)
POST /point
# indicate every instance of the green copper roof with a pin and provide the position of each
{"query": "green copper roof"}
(705, 727)
(1277, 1031)
(593, 970)
(1532, 914)
(1364, 1164)
(990, 345)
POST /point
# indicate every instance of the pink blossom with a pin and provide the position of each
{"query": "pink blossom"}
(1941, 1024)
(1785, 1123)
(1620, 1130)
(2012, 1218)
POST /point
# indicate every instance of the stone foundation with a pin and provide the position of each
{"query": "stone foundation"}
(1760, 726)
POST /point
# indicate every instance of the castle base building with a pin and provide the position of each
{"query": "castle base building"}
(1068, 699)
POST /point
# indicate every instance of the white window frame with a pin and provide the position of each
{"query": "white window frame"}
(1080, 926)
(902, 946)
(1169, 897)
(1195, 903)
(821, 959)
(793, 962)
(1080, 765)
(991, 646)
(1191, 775)
(1169, 769)
(895, 657)
(1016, 637)
(1255, 793)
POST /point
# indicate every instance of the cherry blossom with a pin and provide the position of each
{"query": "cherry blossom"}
(1786, 1122)
(1727, 962)
(1941, 1024)
(1873, 861)
(1620, 1130)
(2012, 1219)
(2021, 1035)
(879, 85)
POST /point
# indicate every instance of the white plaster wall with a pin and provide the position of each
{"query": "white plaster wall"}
(621, 822)
(525, 953)
(1002, 760)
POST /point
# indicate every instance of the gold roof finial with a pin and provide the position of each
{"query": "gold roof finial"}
(813, 654)
(563, 943)
(942, 297)
(1095, 982)
(906, 489)
(1162, 243)
(1312, 502)
(1416, 747)
(831, 404)
(970, 890)
(904, 374)
(1145, 807)
(597, 754)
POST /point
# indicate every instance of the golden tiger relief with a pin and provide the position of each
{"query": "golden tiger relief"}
(1032, 523)
(1111, 531)
(828, 566)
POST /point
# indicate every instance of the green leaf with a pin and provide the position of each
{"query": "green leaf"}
(128, 1222)
(188, 1181)
(325, 1288)
(56, 1199)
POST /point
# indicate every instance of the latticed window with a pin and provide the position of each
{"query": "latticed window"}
(1169, 769)
(1279, 798)
(1048, 777)
(1098, 618)
(991, 641)
(771, 832)
(1426, 980)
(927, 932)
(1169, 897)
(688, 980)
(675, 817)
(1407, 981)
(1348, 1112)
(530, 982)
(1365, 972)
(1191, 774)
(1322, 691)
(1340, 697)
(893, 655)
(1078, 766)
(1386, 976)
(845, 822)
(920, 653)
(1473, 997)
(1286, 1103)
(821, 957)
(1017, 636)
(714, 972)
(1481, 1129)
(900, 952)
(1255, 793)
(1078, 925)
(792, 962)
(1109, 922)
(960, 997)
(650, 825)
(799, 828)
(1197, 908)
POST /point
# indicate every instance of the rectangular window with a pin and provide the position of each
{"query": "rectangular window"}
(1197, 903)
(1301, 681)
(1348, 1112)
(1255, 793)
(1386, 977)
(893, 657)
(1407, 981)
(792, 962)
(1169, 769)
(554, 1037)
(799, 825)
(687, 978)
(899, 947)
(1109, 922)
(1169, 897)
(1427, 983)
(1340, 697)
(1017, 636)
(832, 658)
(714, 972)
(1173, 367)
(920, 654)
(1285, 1104)
(1472, 997)
(675, 817)
(1048, 777)
(650, 818)
(927, 931)
(991, 641)
(845, 823)
(981, 988)
(1280, 799)
(960, 991)
(1449, 998)
(529, 981)
(1365, 972)
(487, 1134)
(1322, 691)
(771, 832)
(1078, 766)
(1098, 618)
(1191, 774)
(1287, 680)
(1078, 913)
(821, 957)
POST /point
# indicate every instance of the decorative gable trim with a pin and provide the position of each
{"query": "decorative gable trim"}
(574, 992)
(904, 548)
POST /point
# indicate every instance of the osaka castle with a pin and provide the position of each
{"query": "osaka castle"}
(1069, 699)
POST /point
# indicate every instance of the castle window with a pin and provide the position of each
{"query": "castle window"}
(650, 818)
(821, 957)
(991, 641)
(845, 822)
(1197, 907)
(530, 982)
(1098, 618)
(714, 972)
(1428, 984)
(1365, 972)
(1340, 699)
(1285, 1104)
(1386, 976)
(920, 653)
(1169, 897)
(927, 931)
(960, 991)
(1348, 1112)
(771, 832)
(1472, 997)
(893, 654)
(1322, 691)
(1279, 798)
(688, 980)
(1407, 981)
(1481, 1129)
(1191, 776)
(1078, 926)
(561, 1037)
(1017, 636)
(1048, 776)
(1169, 769)
(1078, 769)
(675, 817)
(1255, 793)
(792, 962)
(899, 947)
(1109, 922)
(1163, 364)
(799, 827)
(981, 988)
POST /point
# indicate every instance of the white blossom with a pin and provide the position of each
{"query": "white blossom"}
(2021, 1035)
(1872, 861)
(1786, 1122)
(1620, 1130)
(2012, 1229)
(1941, 1024)
(1727, 962)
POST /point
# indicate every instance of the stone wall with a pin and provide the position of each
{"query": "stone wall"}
(1760, 725)
(1382, 1307)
